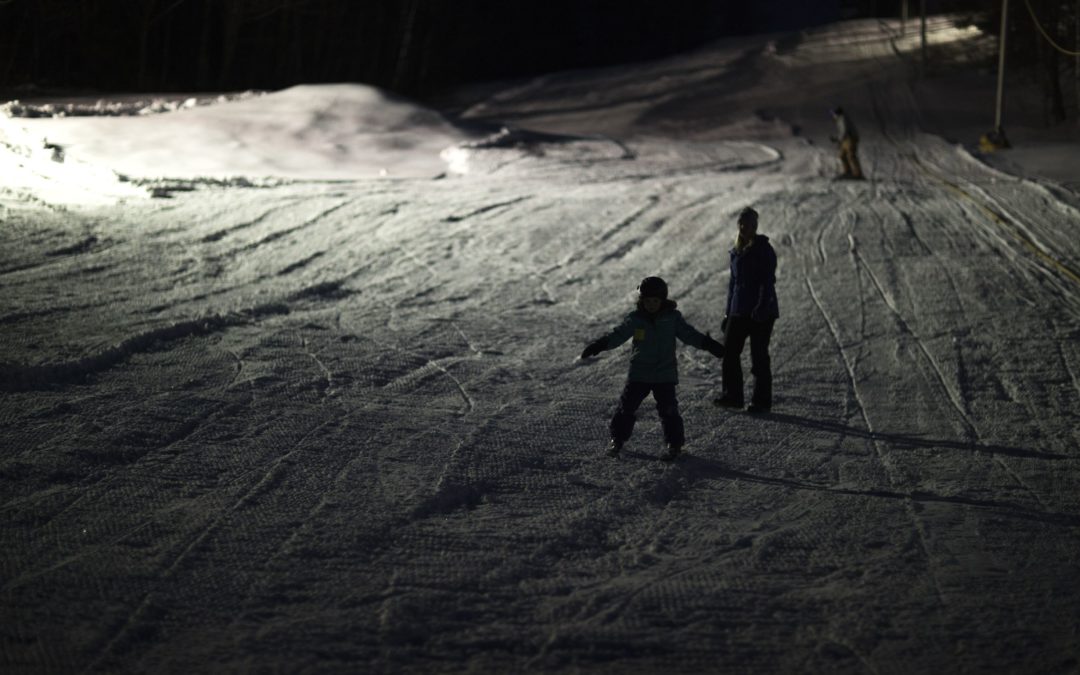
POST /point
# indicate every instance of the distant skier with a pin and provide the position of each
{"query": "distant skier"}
(848, 139)
(653, 325)
(751, 310)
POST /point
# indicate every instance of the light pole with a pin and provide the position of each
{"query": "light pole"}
(1001, 66)
(922, 33)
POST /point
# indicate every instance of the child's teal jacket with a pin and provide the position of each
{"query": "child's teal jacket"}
(652, 352)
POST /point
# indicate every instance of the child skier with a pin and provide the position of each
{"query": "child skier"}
(653, 325)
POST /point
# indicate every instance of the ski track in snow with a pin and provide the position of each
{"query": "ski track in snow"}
(951, 395)
(917, 524)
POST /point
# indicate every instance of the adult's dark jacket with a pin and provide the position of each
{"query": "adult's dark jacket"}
(752, 287)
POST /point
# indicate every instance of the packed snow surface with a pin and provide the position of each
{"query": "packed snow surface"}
(297, 415)
(344, 131)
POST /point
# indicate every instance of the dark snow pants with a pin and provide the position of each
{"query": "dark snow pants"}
(622, 423)
(760, 332)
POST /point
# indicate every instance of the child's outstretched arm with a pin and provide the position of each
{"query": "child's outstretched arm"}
(594, 348)
(693, 337)
(712, 346)
(612, 340)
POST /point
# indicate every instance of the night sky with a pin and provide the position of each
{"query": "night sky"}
(413, 47)
(410, 46)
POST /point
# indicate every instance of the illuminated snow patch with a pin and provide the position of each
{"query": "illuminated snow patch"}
(307, 132)
(31, 167)
(457, 159)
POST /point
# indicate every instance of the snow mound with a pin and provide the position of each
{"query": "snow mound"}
(116, 106)
(509, 144)
(510, 149)
(105, 151)
(32, 168)
(314, 132)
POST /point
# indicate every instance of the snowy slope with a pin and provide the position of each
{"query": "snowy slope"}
(344, 131)
(340, 425)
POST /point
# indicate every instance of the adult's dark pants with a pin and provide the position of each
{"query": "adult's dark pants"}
(739, 328)
(622, 423)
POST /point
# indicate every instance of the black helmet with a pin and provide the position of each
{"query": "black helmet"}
(653, 287)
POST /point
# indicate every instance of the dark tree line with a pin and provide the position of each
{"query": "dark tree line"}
(412, 46)
(417, 47)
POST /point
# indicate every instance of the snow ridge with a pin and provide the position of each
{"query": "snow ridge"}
(18, 377)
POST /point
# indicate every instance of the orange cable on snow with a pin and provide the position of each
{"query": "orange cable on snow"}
(1046, 35)
(1003, 221)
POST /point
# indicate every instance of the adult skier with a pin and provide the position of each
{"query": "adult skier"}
(751, 310)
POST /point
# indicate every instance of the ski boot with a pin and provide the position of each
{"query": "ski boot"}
(614, 447)
(727, 402)
(672, 452)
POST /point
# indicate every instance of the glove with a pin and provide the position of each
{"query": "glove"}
(712, 346)
(723, 325)
(594, 348)
(834, 139)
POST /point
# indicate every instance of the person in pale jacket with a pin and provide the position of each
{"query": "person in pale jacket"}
(847, 137)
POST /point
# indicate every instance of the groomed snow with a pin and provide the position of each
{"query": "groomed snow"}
(314, 132)
(294, 414)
